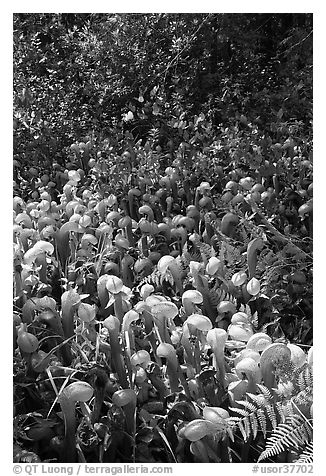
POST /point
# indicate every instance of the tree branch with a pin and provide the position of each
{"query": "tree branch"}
(186, 46)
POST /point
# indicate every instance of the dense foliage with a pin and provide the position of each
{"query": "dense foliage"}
(163, 237)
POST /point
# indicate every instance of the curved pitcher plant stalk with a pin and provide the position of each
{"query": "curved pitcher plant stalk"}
(62, 241)
(169, 203)
(229, 223)
(197, 325)
(101, 209)
(185, 342)
(113, 218)
(212, 431)
(28, 311)
(147, 212)
(162, 194)
(168, 352)
(169, 263)
(25, 234)
(70, 395)
(252, 248)
(134, 192)
(193, 212)
(112, 324)
(52, 319)
(123, 203)
(141, 381)
(99, 382)
(209, 229)
(201, 284)
(104, 234)
(126, 270)
(163, 313)
(37, 254)
(201, 451)
(70, 301)
(190, 298)
(128, 337)
(153, 371)
(218, 417)
(147, 318)
(236, 392)
(115, 285)
(146, 229)
(28, 344)
(18, 283)
(249, 368)
(125, 223)
(103, 294)
(217, 338)
(127, 400)
(173, 178)
(310, 357)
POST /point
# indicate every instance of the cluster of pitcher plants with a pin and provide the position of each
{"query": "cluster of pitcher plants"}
(137, 333)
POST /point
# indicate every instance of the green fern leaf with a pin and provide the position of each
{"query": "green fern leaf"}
(258, 400)
(249, 406)
(253, 424)
(262, 421)
(243, 431)
(307, 455)
(240, 411)
(265, 392)
(206, 251)
(295, 433)
(271, 415)
(247, 426)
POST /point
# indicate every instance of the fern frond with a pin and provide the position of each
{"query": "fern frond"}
(188, 256)
(248, 406)
(247, 426)
(259, 400)
(206, 251)
(284, 409)
(243, 431)
(231, 255)
(307, 455)
(294, 433)
(305, 397)
(265, 392)
(305, 378)
(153, 279)
(271, 415)
(241, 411)
(262, 421)
(254, 424)
(259, 411)
(303, 384)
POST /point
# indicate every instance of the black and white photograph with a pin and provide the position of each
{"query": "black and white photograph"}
(162, 183)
